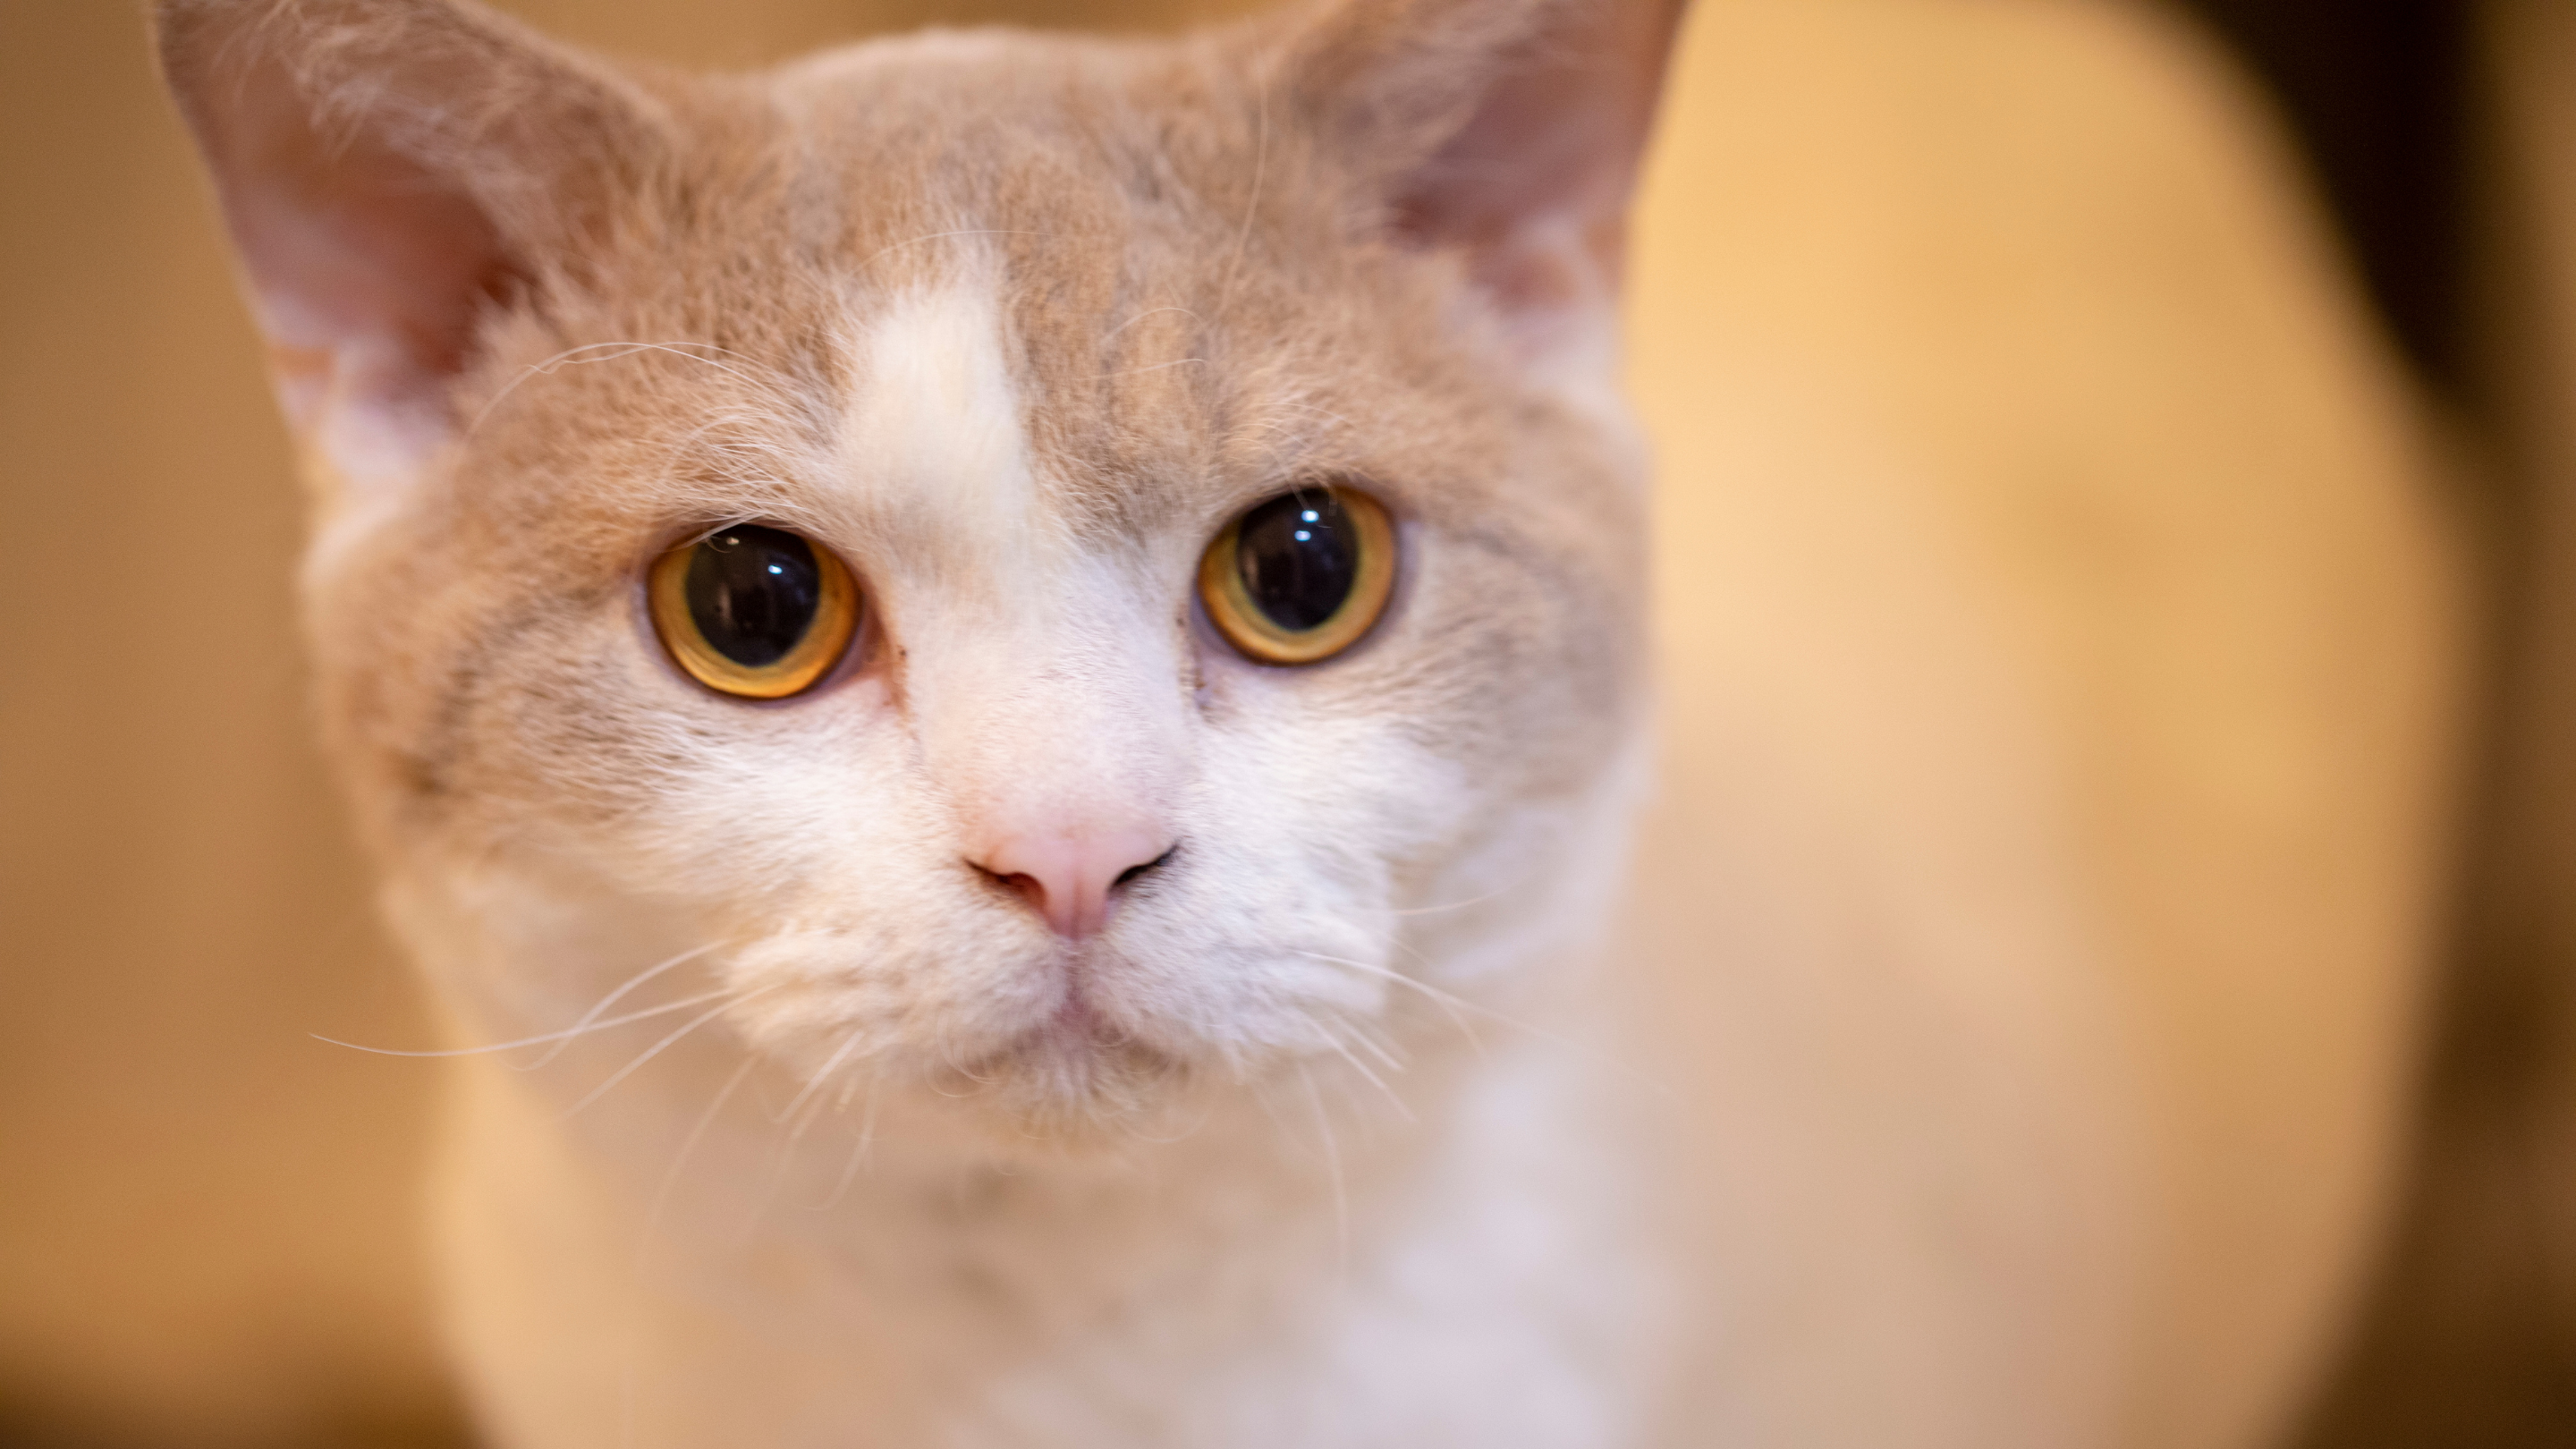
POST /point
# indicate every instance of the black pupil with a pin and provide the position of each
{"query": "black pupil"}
(753, 592)
(1300, 555)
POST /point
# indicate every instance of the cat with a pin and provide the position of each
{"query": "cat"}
(1085, 597)
(1002, 681)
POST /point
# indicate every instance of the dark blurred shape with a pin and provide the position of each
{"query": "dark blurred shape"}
(2459, 1346)
(2452, 175)
(2376, 91)
(364, 1427)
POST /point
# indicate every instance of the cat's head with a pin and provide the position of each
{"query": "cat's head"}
(1057, 570)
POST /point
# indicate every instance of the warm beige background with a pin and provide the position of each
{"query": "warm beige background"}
(205, 1217)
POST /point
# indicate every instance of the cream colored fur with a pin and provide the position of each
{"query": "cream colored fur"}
(1333, 1137)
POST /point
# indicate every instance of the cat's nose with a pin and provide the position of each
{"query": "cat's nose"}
(1071, 880)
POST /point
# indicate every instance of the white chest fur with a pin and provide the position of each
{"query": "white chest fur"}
(1278, 1277)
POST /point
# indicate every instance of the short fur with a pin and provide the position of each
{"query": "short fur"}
(2037, 893)
(1014, 324)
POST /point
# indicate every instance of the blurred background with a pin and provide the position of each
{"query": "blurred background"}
(206, 1219)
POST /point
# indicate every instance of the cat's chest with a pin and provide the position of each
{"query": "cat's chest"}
(1463, 1288)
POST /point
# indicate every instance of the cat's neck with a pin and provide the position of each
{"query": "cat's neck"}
(911, 1268)
(857, 1253)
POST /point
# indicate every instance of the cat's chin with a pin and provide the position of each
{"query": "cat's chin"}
(1075, 1079)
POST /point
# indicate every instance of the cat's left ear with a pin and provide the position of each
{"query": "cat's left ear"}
(1508, 130)
(394, 173)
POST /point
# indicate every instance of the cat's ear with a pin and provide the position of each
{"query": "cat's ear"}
(1510, 130)
(390, 171)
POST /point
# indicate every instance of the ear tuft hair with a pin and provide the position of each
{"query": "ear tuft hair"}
(388, 170)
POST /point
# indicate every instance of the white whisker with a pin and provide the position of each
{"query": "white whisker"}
(689, 1144)
(1333, 1165)
(1207, 1110)
(665, 1009)
(1452, 1005)
(657, 1048)
(1376, 1045)
(858, 1153)
(1494, 895)
(1252, 203)
(571, 356)
(937, 235)
(612, 998)
(1149, 367)
(790, 1138)
(840, 1054)
(1333, 1040)
(1588, 1050)
(1141, 316)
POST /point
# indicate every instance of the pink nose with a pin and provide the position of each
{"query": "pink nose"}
(1070, 879)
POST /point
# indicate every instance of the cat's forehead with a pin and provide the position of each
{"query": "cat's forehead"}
(1011, 117)
(1095, 273)
(1086, 170)
(932, 443)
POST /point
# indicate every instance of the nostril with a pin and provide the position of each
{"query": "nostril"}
(1134, 871)
(1027, 886)
(1072, 881)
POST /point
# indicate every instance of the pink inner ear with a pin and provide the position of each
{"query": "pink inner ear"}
(369, 269)
(376, 256)
(1535, 185)
(361, 149)
(1545, 231)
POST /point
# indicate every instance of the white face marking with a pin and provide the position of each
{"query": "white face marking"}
(1040, 673)
(934, 435)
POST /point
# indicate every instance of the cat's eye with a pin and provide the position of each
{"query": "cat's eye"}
(752, 611)
(1301, 577)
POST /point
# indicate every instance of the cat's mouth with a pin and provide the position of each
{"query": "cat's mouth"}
(1075, 1061)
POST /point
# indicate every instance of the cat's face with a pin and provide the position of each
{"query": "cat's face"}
(1010, 330)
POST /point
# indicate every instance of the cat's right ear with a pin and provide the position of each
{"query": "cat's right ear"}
(392, 171)
(1507, 133)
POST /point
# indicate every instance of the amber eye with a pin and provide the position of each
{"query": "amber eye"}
(1301, 577)
(757, 612)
